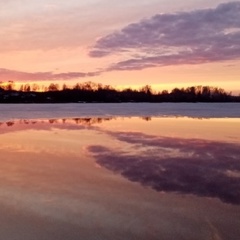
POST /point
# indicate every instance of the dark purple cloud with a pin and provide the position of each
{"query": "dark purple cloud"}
(6, 75)
(195, 37)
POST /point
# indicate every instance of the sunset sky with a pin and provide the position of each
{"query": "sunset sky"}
(164, 43)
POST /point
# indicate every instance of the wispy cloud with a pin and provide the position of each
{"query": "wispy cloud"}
(6, 75)
(195, 37)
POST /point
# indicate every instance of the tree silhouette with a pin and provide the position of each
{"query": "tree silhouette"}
(97, 92)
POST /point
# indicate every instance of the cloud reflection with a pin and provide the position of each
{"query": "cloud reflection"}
(189, 166)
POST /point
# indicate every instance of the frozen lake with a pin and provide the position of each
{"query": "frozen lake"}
(120, 171)
(198, 110)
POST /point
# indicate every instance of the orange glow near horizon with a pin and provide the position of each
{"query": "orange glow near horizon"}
(43, 86)
(29, 57)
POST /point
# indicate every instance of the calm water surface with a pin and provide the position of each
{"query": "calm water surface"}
(197, 110)
(120, 178)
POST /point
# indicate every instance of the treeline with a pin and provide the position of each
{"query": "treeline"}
(94, 92)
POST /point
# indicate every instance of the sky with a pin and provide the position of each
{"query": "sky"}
(163, 43)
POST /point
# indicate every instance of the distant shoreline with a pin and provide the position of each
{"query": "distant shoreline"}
(107, 94)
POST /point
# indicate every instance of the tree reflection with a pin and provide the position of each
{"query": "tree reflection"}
(10, 123)
(76, 121)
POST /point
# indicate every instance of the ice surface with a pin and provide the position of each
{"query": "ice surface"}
(198, 110)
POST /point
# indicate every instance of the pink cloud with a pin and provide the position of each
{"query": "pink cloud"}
(6, 75)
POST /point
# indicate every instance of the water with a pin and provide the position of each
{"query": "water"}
(199, 110)
(120, 171)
